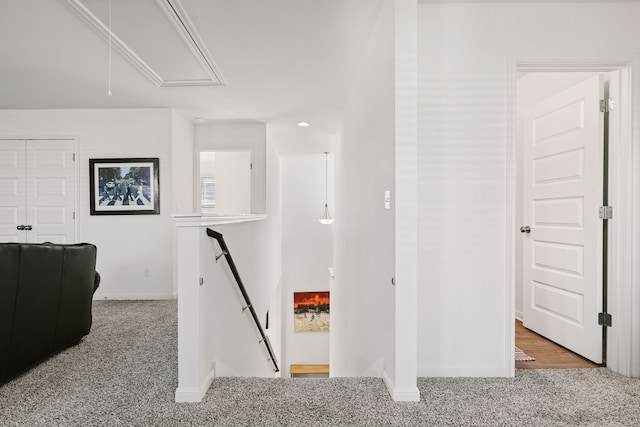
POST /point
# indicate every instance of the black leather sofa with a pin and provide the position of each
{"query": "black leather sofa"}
(46, 293)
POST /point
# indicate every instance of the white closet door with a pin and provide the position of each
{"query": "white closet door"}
(12, 190)
(50, 190)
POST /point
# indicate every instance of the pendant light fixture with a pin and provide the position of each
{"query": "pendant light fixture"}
(326, 218)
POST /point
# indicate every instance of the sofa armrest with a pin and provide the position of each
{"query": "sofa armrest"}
(96, 282)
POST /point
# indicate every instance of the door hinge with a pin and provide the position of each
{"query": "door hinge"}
(606, 105)
(74, 214)
(605, 212)
(604, 319)
(74, 157)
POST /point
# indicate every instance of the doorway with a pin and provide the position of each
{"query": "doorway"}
(560, 131)
(225, 182)
(541, 353)
(559, 78)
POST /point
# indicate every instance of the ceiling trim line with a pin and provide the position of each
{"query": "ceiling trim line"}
(193, 82)
(137, 62)
(182, 23)
(117, 42)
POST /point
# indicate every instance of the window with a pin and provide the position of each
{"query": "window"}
(208, 192)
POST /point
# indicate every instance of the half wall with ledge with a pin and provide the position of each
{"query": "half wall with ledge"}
(216, 334)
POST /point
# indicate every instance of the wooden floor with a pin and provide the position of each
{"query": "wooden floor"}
(548, 354)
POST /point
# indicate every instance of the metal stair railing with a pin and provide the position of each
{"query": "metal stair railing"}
(263, 337)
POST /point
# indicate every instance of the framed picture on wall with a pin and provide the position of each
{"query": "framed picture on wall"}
(127, 186)
(311, 311)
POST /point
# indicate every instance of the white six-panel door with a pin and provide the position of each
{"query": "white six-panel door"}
(50, 191)
(37, 191)
(562, 262)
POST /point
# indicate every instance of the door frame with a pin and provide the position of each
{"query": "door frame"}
(623, 338)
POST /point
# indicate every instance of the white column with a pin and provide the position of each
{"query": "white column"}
(406, 310)
(190, 383)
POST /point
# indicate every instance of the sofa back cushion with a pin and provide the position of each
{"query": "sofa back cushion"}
(36, 312)
(76, 294)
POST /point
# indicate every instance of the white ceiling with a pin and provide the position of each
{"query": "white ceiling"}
(284, 61)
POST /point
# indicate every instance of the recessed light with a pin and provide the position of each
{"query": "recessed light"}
(303, 124)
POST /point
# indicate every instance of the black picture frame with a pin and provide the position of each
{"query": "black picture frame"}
(124, 186)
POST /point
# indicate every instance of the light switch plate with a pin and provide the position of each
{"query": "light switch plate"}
(387, 199)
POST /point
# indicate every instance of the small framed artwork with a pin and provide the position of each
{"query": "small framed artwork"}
(311, 311)
(128, 186)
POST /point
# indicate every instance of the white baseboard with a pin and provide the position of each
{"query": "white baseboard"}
(188, 395)
(195, 394)
(102, 297)
(400, 395)
(519, 315)
(462, 371)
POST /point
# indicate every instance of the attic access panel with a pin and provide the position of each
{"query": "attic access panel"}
(156, 36)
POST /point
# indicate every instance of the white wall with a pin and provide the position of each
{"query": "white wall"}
(182, 160)
(182, 188)
(307, 251)
(464, 273)
(134, 251)
(233, 182)
(362, 296)
(229, 333)
(271, 237)
(239, 135)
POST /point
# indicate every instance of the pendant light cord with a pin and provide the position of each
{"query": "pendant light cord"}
(110, 47)
(326, 179)
(326, 218)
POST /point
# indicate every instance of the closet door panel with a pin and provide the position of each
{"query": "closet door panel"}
(12, 190)
(50, 189)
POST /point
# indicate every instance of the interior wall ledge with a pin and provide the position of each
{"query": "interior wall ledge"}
(206, 220)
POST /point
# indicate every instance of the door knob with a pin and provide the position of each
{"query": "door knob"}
(525, 229)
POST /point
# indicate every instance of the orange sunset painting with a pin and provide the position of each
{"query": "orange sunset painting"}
(311, 311)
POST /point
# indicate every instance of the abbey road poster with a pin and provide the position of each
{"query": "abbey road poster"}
(124, 186)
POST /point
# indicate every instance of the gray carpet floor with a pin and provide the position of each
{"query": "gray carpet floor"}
(124, 374)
